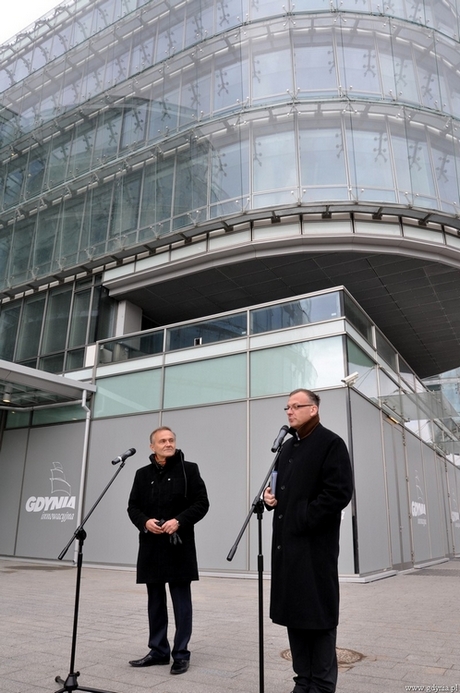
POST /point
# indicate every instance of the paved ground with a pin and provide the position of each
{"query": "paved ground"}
(406, 627)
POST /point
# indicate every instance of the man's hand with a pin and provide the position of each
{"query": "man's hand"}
(170, 526)
(269, 498)
(153, 526)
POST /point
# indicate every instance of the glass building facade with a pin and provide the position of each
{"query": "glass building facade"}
(126, 122)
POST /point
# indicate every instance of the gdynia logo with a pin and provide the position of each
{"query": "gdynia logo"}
(61, 498)
(418, 506)
(418, 509)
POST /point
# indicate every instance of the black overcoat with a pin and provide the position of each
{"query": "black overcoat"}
(313, 486)
(176, 492)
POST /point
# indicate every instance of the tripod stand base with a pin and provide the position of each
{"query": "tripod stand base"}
(71, 684)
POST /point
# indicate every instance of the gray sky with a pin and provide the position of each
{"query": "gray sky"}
(18, 14)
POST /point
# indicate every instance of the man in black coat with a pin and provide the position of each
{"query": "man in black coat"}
(313, 485)
(167, 499)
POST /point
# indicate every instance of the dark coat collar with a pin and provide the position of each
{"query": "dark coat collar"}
(170, 461)
(308, 427)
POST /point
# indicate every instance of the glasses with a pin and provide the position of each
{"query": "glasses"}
(294, 407)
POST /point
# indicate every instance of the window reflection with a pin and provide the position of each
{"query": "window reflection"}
(302, 312)
(357, 318)
(9, 320)
(206, 332)
(361, 363)
(211, 380)
(314, 364)
(386, 351)
(30, 329)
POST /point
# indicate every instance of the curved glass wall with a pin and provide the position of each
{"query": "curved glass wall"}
(371, 154)
(122, 122)
(50, 330)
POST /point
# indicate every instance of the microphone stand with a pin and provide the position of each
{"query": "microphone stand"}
(71, 682)
(258, 507)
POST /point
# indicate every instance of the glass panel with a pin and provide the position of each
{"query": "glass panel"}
(271, 71)
(404, 75)
(414, 171)
(142, 53)
(67, 250)
(107, 137)
(386, 351)
(94, 234)
(370, 162)
(446, 165)
(273, 153)
(358, 65)
(102, 315)
(407, 373)
(82, 150)
(360, 362)
(319, 363)
(212, 380)
(14, 180)
(126, 394)
(125, 209)
(315, 67)
(302, 312)
(230, 180)
(388, 387)
(206, 332)
(56, 321)
(358, 319)
(195, 97)
(58, 161)
(322, 161)
(45, 238)
(5, 244)
(79, 319)
(230, 81)
(267, 8)
(429, 79)
(31, 325)
(134, 121)
(18, 419)
(58, 415)
(35, 171)
(125, 348)
(157, 193)
(52, 364)
(191, 184)
(75, 359)
(20, 252)
(9, 318)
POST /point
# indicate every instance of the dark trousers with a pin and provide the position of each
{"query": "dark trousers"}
(314, 660)
(158, 619)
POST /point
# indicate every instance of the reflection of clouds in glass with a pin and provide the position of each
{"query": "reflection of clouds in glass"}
(314, 364)
(327, 360)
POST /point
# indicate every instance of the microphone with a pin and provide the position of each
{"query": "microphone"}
(124, 456)
(284, 430)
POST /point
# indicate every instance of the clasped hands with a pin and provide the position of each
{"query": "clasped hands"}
(158, 527)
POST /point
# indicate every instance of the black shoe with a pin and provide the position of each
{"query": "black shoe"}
(180, 666)
(149, 661)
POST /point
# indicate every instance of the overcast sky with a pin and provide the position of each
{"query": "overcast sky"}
(18, 14)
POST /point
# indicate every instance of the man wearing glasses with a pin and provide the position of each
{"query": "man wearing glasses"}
(314, 484)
